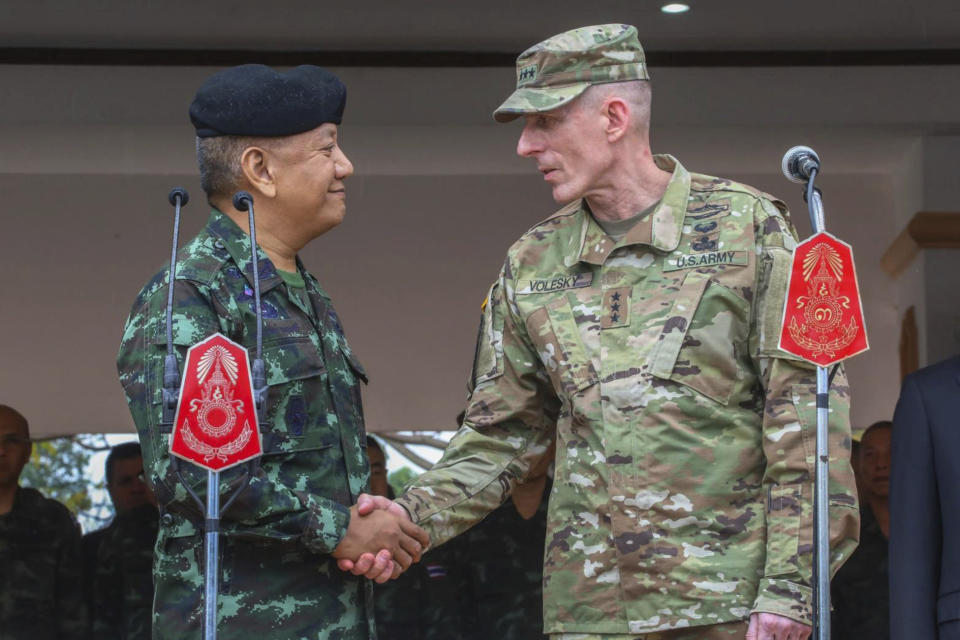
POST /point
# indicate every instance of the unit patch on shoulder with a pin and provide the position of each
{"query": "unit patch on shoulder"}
(555, 283)
(712, 259)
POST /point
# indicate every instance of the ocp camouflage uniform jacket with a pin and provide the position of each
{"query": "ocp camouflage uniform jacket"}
(685, 438)
(41, 591)
(277, 577)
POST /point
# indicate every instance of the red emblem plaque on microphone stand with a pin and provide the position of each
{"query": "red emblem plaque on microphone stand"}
(822, 316)
(216, 423)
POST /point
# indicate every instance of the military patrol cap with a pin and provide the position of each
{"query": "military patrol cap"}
(554, 72)
(255, 100)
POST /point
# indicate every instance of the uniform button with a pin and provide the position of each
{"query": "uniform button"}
(167, 519)
(218, 244)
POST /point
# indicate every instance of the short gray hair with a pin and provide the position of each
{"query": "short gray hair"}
(636, 93)
(219, 161)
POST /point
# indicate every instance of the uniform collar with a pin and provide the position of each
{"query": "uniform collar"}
(661, 229)
(237, 243)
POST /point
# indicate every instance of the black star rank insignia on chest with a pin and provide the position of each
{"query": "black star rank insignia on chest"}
(616, 308)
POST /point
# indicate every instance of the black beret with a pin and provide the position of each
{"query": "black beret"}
(255, 100)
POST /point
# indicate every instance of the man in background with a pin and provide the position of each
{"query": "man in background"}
(123, 471)
(861, 598)
(40, 566)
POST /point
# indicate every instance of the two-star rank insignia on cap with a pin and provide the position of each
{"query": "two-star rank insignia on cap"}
(822, 315)
(216, 424)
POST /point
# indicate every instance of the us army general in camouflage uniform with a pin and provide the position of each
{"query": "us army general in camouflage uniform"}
(637, 327)
(278, 578)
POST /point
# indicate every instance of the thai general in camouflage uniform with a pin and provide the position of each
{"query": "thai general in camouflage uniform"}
(278, 578)
(637, 328)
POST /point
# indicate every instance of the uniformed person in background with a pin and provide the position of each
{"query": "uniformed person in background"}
(40, 566)
(274, 135)
(123, 471)
(860, 590)
(637, 329)
(123, 575)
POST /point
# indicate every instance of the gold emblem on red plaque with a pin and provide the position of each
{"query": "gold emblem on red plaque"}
(822, 316)
(216, 423)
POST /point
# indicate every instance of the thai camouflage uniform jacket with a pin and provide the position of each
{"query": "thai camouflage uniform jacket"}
(277, 577)
(40, 571)
(685, 438)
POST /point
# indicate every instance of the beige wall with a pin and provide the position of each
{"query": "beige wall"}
(438, 197)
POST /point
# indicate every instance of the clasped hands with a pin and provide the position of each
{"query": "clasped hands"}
(381, 542)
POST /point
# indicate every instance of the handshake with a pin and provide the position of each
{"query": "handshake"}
(381, 542)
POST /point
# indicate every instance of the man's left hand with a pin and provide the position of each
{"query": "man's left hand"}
(770, 626)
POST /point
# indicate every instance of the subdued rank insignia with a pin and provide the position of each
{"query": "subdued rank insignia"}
(216, 424)
(822, 315)
(616, 308)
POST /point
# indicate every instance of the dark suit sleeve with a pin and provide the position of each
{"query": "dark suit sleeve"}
(915, 529)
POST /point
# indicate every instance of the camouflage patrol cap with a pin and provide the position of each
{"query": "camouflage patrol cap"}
(554, 72)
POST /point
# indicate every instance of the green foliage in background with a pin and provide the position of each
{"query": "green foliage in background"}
(401, 479)
(58, 469)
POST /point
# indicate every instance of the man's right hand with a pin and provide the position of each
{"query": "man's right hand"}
(368, 564)
(379, 542)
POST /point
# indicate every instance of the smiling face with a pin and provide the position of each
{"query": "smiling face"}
(570, 148)
(311, 169)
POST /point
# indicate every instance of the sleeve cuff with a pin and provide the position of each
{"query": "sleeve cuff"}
(326, 526)
(785, 598)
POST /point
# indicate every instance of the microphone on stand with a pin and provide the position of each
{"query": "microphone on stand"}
(799, 164)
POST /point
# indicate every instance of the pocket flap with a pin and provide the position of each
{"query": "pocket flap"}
(948, 607)
(685, 304)
(291, 359)
(358, 369)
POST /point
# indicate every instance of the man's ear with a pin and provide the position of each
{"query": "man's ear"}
(618, 116)
(259, 168)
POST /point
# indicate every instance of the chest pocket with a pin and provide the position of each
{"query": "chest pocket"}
(703, 337)
(298, 398)
(553, 329)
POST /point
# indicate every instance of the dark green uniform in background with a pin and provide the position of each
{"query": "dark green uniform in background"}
(40, 571)
(277, 578)
(123, 580)
(486, 583)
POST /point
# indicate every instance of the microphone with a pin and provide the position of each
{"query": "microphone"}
(799, 163)
(178, 192)
(242, 200)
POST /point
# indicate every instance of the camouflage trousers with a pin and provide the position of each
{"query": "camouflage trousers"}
(713, 632)
(268, 591)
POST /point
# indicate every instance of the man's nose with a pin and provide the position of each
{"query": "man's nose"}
(528, 143)
(344, 168)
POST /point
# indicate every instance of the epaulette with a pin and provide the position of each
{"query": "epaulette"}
(202, 259)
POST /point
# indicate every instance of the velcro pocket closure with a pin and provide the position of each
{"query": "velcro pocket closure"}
(703, 337)
(553, 329)
(784, 511)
